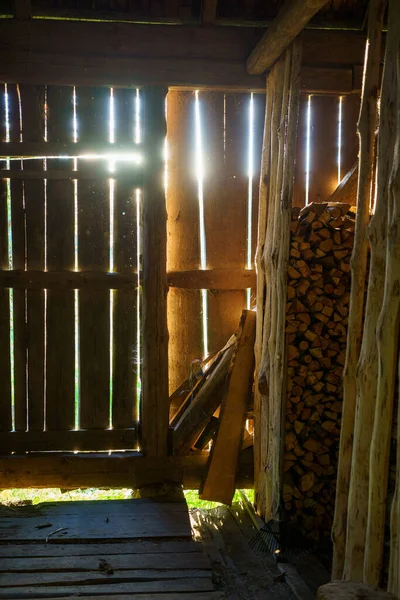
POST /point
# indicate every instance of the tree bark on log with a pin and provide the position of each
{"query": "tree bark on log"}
(394, 571)
(291, 20)
(388, 324)
(282, 103)
(352, 492)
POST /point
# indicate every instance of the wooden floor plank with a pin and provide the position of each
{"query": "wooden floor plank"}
(191, 560)
(13, 580)
(54, 549)
(167, 585)
(156, 596)
(117, 520)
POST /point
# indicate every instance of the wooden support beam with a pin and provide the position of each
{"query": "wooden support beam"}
(61, 150)
(155, 405)
(213, 279)
(209, 12)
(291, 20)
(359, 376)
(68, 471)
(56, 52)
(219, 485)
(66, 280)
(68, 174)
(55, 441)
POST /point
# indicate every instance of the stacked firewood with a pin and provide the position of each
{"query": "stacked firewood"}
(321, 243)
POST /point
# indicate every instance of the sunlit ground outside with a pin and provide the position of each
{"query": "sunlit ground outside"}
(37, 495)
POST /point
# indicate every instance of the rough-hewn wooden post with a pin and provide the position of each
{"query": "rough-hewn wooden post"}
(394, 570)
(272, 259)
(355, 499)
(155, 333)
(388, 325)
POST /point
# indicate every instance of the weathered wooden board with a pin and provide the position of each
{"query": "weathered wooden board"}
(97, 521)
(62, 440)
(56, 549)
(126, 362)
(93, 106)
(5, 364)
(299, 198)
(350, 142)
(33, 130)
(191, 585)
(323, 147)
(17, 258)
(151, 596)
(225, 138)
(183, 236)
(219, 484)
(60, 317)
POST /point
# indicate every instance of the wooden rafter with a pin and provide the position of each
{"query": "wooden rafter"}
(291, 20)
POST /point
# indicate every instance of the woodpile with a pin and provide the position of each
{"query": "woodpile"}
(322, 237)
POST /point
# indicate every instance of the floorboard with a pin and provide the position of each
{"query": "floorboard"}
(139, 549)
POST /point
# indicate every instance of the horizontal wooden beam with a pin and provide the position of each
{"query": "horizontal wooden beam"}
(291, 20)
(64, 150)
(325, 80)
(124, 54)
(213, 279)
(67, 280)
(85, 441)
(70, 471)
(68, 174)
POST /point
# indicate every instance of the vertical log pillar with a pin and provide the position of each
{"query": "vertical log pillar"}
(387, 329)
(155, 333)
(276, 195)
(354, 496)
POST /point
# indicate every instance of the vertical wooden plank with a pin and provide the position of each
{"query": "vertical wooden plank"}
(18, 262)
(301, 152)
(60, 347)
(94, 255)
(225, 122)
(33, 129)
(125, 363)
(183, 237)
(5, 366)
(155, 332)
(324, 147)
(350, 143)
(258, 132)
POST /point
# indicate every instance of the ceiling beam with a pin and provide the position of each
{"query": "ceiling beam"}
(291, 20)
(58, 52)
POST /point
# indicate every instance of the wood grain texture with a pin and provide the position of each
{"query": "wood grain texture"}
(60, 317)
(5, 364)
(225, 128)
(155, 332)
(183, 237)
(219, 484)
(18, 230)
(323, 147)
(301, 165)
(291, 20)
(70, 471)
(94, 255)
(33, 130)
(126, 366)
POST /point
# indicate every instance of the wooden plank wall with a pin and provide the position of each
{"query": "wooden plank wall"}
(323, 174)
(60, 225)
(225, 146)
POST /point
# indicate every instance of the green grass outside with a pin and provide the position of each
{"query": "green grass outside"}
(38, 495)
